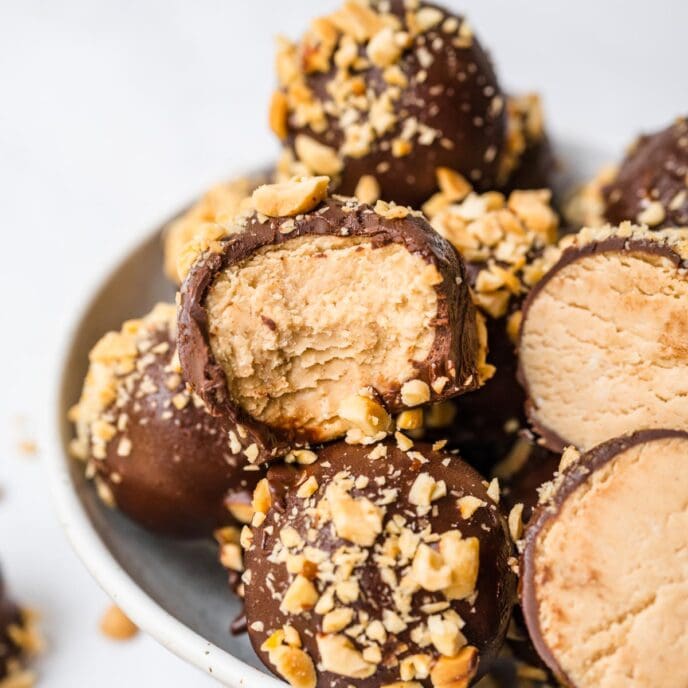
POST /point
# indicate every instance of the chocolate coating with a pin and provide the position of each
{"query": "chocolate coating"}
(539, 466)
(166, 463)
(581, 473)
(9, 615)
(536, 166)
(390, 476)
(533, 159)
(487, 421)
(655, 170)
(450, 107)
(455, 354)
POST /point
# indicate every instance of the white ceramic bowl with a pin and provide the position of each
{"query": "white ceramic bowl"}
(173, 590)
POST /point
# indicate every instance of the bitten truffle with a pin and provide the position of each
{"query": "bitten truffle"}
(507, 243)
(602, 348)
(375, 565)
(320, 316)
(605, 566)
(379, 95)
(149, 444)
(218, 206)
(649, 187)
(19, 639)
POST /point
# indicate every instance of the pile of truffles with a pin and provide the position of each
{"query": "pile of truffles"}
(439, 444)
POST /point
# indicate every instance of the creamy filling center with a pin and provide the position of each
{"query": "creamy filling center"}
(612, 571)
(300, 326)
(605, 348)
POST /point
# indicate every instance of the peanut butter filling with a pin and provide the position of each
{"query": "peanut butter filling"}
(603, 347)
(299, 327)
(611, 572)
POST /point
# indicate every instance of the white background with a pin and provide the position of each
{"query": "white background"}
(113, 114)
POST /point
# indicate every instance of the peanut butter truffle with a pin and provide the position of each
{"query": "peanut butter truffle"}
(381, 94)
(605, 566)
(523, 472)
(149, 444)
(218, 206)
(320, 316)
(602, 348)
(507, 242)
(649, 187)
(529, 153)
(19, 639)
(376, 565)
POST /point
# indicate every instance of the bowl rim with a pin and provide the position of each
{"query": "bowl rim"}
(145, 612)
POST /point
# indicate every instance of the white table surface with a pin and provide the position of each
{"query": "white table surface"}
(112, 114)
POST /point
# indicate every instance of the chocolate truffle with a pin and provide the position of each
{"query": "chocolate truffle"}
(19, 639)
(149, 444)
(319, 317)
(217, 206)
(529, 151)
(605, 566)
(650, 186)
(522, 473)
(602, 348)
(381, 94)
(375, 565)
(506, 242)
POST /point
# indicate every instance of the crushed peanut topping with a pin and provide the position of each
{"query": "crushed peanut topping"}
(290, 198)
(198, 227)
(502, 237)
(321, 548)
(346, 45)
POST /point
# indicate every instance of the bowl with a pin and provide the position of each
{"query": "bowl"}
(173, 590)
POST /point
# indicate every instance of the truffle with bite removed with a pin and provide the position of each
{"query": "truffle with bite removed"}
(217, 207)
(318, 317)
(507, 242)
(19, 640)
(604, 585)
(148, 442)
(602, 342)
(649, 187)
(379, 95)
(376, 565)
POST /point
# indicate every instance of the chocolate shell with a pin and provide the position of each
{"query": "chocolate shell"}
(604, 584)
(651, 184)
(378, 565)
(391, 93)
(149, 444)
(305, 328)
